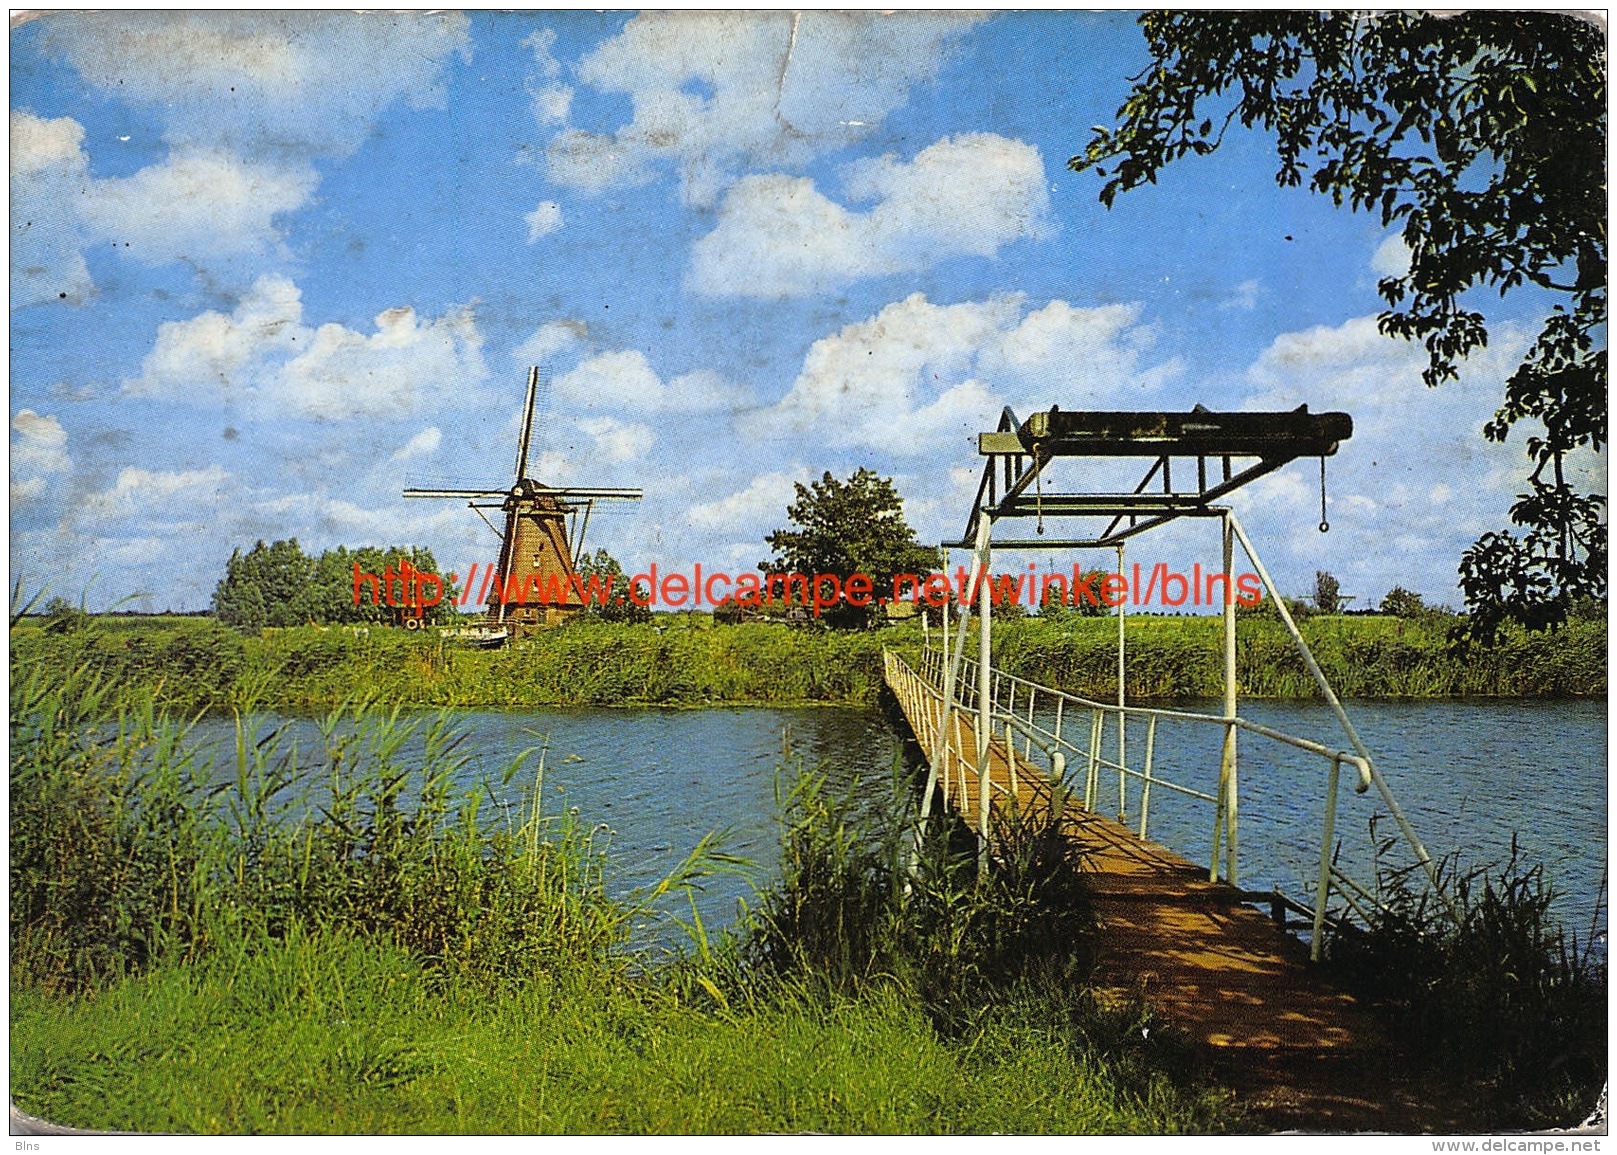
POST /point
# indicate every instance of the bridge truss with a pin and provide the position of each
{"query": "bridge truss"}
(1212, 455)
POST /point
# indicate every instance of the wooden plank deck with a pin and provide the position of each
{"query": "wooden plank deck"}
(1215, 968)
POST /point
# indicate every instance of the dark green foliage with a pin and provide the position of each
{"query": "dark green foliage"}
(279, 585)
(1402, 603)
(845, 528)
(1499, 995)
(859, 903)
(1327, 592)
(267, 586)
(1482, 135)
(602, 567)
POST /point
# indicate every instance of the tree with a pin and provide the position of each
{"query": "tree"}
(603, 567)
(1055, 605)
(63, 617)
(846, 528)
(279, 585)
(1483, 136)
(267, 586)
(1327, 592)
(1402, 603)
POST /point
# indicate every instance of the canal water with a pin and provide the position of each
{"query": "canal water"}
(1469, 774)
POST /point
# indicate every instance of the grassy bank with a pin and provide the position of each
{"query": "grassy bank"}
(332, 939)
(332, 1033)
(335, 938)
(686, 661)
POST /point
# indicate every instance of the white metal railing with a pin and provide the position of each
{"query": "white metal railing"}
(1069, 734)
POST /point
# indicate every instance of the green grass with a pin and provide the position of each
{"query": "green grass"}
(333, 1034)
(195, 664)
(337, 939)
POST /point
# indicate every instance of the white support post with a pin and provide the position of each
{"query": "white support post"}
(1341, 716)
(1122, 701)
(985, 684)
(1228, 771)
(1322, 893)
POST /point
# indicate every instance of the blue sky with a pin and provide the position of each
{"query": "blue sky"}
(268, 269)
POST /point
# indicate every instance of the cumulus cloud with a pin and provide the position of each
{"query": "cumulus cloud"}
(616, 441)
(714, 91)
(246, 100)
(196, 205)
(624, 379)
(1417, 478)
(145, 501)
(966, 195)
(549, 340)
(1391, 258)
(764, 498)
(543, 221)
(301, 82)
(423, 444)
(918, 374)
(38, 450)
(1245, 296)
(262, 353)
(49, 176)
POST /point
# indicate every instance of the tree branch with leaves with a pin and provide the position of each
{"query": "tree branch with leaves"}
(1482, 136)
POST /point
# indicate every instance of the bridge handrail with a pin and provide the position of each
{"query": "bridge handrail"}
(1305, 744)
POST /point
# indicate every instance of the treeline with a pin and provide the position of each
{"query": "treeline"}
(279, 585)
(685, 661)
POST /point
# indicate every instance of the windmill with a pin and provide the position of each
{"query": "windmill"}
(543, 538)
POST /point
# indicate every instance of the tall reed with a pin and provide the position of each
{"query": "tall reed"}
(1491, 989)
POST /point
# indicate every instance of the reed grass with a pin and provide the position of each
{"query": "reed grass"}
(196, 664)
(1493, 991)
(344, 935)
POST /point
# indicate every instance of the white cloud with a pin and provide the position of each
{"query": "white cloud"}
(423, 444)
(49, 176)
(616, 441)
(553, 101)
(184, 499)
(38, 450)
(714, 91)
(1415, 484)
(262, 353)
(1391, 258)
(966, 195)
(624, 379)
(918, 375)
(196, 205)
(549, 340)
(1245, 296)
(38, 444)
(299, 81)
(543, 221)
(763, 501)
(246, 99)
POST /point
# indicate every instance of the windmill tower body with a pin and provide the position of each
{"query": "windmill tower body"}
(534, 559)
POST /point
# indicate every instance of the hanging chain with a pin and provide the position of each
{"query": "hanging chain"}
(1324, 523)
(1038, 492)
